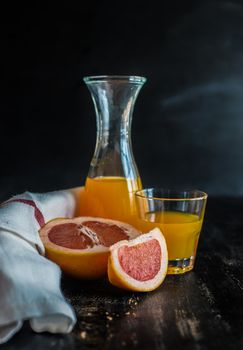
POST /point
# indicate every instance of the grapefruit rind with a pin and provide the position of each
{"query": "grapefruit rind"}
(89, 263)
(119, 278)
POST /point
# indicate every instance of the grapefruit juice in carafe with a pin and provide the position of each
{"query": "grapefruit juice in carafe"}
(113, 177)
(111, 197)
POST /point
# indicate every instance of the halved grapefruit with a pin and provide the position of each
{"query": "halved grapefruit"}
(139, 264)
(80, 246)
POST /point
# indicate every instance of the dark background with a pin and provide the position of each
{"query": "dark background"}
(188, 119)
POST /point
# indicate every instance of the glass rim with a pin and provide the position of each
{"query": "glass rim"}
(200, 194)
(103, 78)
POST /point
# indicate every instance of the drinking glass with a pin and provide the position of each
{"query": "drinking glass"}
(179, 215)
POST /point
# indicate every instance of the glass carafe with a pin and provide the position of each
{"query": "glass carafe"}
(113, 175)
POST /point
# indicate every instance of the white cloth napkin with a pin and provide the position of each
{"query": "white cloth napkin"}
(29, 283)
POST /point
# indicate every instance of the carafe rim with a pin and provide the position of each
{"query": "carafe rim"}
(127, 78)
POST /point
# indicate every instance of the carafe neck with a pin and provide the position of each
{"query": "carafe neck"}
(114, 98)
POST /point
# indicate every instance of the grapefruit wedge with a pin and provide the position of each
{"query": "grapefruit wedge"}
(139, 264)
(80, 246)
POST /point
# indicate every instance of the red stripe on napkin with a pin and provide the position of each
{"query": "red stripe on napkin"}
(38, 214)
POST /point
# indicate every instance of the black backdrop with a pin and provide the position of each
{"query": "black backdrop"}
(188, 120)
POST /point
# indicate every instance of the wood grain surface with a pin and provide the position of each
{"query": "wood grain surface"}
(200, 310)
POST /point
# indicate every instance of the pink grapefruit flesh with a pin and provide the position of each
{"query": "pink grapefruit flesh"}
(69, 236)
(141, 261)
(107, 234)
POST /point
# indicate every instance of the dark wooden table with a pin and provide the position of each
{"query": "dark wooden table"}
(200, 310)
